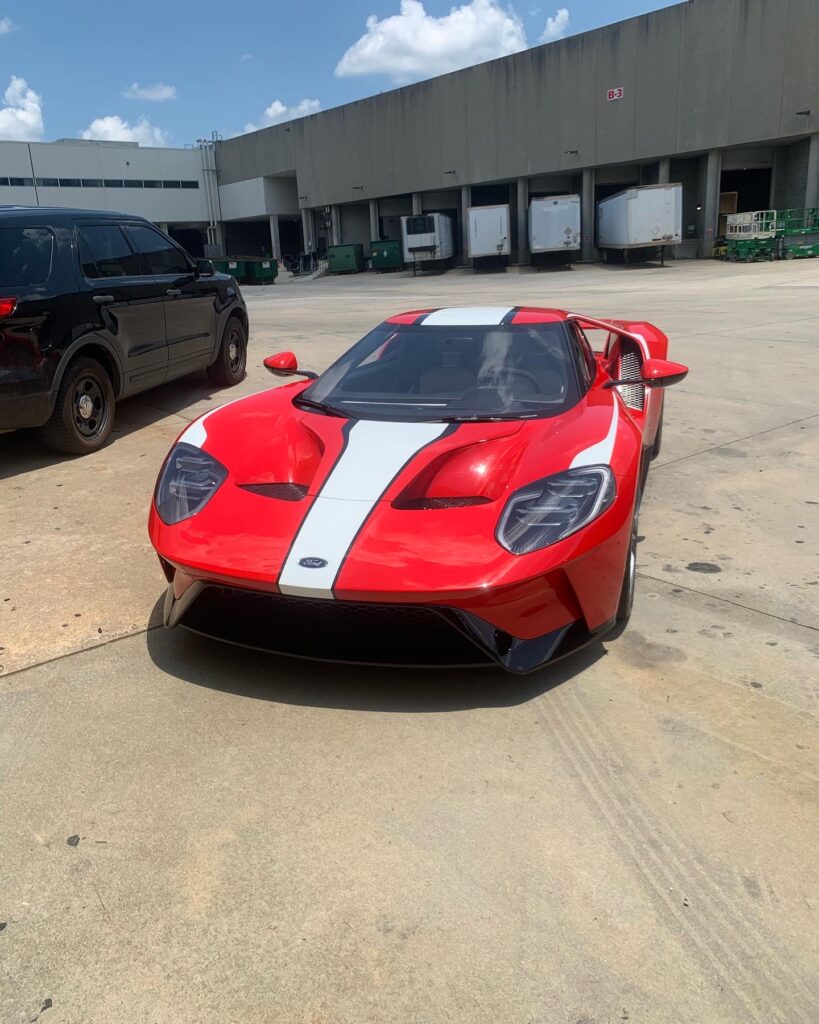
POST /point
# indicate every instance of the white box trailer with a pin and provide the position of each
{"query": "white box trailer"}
(427, 238)
(488, 233)
(642, 217)
(554, 224)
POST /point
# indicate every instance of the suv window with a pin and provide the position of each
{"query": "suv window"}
(158, 254)
(104, 252)
(25, 256)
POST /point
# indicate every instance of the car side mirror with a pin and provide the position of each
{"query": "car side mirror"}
(204, 268)
(656, 373)
(285, 364)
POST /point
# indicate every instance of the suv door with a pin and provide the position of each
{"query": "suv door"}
(189, 299)
(123, 304)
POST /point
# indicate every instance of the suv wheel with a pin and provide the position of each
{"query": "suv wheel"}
(84, 411)
(231, 362)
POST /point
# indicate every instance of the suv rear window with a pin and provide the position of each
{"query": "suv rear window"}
(25, 256)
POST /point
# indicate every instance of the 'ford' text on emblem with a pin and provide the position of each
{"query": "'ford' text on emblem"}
(313, 563)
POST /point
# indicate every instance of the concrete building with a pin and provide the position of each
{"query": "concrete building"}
(720, 95)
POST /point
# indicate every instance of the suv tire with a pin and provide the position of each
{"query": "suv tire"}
(231, 362)
(83, 414)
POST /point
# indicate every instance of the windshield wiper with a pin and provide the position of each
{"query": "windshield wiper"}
(330, 410)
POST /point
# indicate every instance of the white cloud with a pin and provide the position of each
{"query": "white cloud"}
(6, 26)
(21, 119)
(278, 112)
(246, 57)
(414, 44)
(556, 26)
(153, 93)
(113, 128)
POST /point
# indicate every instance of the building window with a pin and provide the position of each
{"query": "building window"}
(70, 183)
(190, 184)
(92, 182)
(113, 182)
(4, 181)
(48, 182)
(133, 183)
(171, 184)
(21, 182)
(152, 184)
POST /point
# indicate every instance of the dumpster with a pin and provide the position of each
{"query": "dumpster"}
(229, 265)
(386, 256)
(345, 259)
(260, 271)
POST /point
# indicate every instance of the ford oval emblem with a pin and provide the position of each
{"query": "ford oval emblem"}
(313, 563)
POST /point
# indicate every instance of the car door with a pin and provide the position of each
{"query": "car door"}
(124, 305)
(189, 299)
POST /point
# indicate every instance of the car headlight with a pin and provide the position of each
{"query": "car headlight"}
(189, 479)
(551, 509)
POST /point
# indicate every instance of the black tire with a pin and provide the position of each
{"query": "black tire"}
(83, 414)
(658, 437)
(629, 578)
(231, 363)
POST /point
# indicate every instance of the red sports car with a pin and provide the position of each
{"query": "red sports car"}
(461, 487)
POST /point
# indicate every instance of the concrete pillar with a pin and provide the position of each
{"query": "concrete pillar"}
(587, 250)
(812, 184)
(163, 227)
(710, 213)
(307, 230)
(664, 175)
(335, 225)
(466, 202)
(275, 241)
(416, 203)
(523, 220)
(375, 232)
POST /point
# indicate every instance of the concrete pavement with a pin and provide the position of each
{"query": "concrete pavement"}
(195, 833)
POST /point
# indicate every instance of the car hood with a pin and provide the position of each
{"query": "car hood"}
(266, 440)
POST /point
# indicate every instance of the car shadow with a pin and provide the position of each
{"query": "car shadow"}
(261, 676)
(22, 451)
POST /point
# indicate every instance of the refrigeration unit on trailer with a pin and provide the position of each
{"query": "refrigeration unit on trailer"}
(554, 224)
(427, 239)
(488, 235)
(639, 218)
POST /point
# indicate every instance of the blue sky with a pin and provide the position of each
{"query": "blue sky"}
(167, 73)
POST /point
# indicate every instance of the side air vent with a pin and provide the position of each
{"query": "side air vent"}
(420, 504)
(284, 492)
(633, 394)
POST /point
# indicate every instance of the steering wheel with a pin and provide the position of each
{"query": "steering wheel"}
(510, 371)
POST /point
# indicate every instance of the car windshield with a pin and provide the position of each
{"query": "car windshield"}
(413, 372)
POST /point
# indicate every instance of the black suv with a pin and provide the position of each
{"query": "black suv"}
(98, 306)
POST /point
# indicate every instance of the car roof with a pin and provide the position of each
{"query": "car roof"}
(475, 316)
(53, 213)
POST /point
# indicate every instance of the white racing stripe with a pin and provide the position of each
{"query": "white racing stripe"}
(467, 316)
(376, 452)
(599, 454)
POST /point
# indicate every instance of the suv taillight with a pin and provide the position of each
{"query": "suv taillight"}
(7, 307)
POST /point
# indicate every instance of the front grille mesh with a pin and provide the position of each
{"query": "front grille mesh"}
(353, 631)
